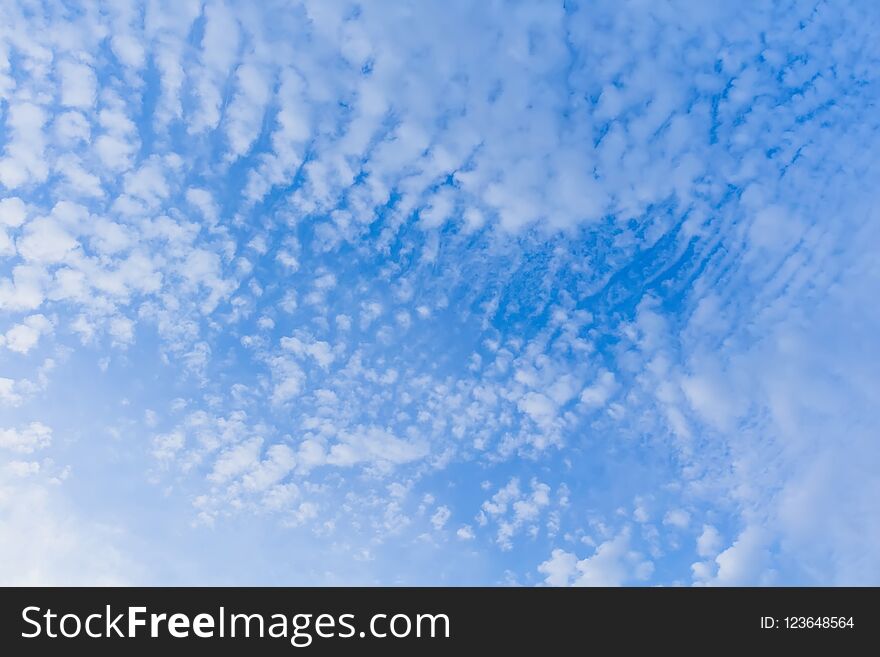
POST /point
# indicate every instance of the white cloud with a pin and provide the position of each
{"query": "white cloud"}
(678, 518)
(245, 111)
(24, 291)
(441, 517)
(614, 563)
(237, 460)
(598, 394)
(204, 201)
(370, 311)
(289, 380)
(45, 240)
(279, 461)
(78, 84)
(319, 350)
(219, 47)
(744, 561)
(512, 509)
(71, 128)
(24, 160)
(44, 541)
(128, 49)
(31, 438)
(559, 568)
(117, 144)
(374, 446)
(12, 212)
(8, 394)
(122, 330)
(708, 542)
(463, 201)
(465, 533)
(538, 406)
(23, 337)
(80, 182)
(166, 446)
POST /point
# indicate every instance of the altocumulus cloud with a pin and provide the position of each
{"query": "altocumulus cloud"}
(559, 293)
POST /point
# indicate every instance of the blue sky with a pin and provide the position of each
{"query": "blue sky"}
(533, 293)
